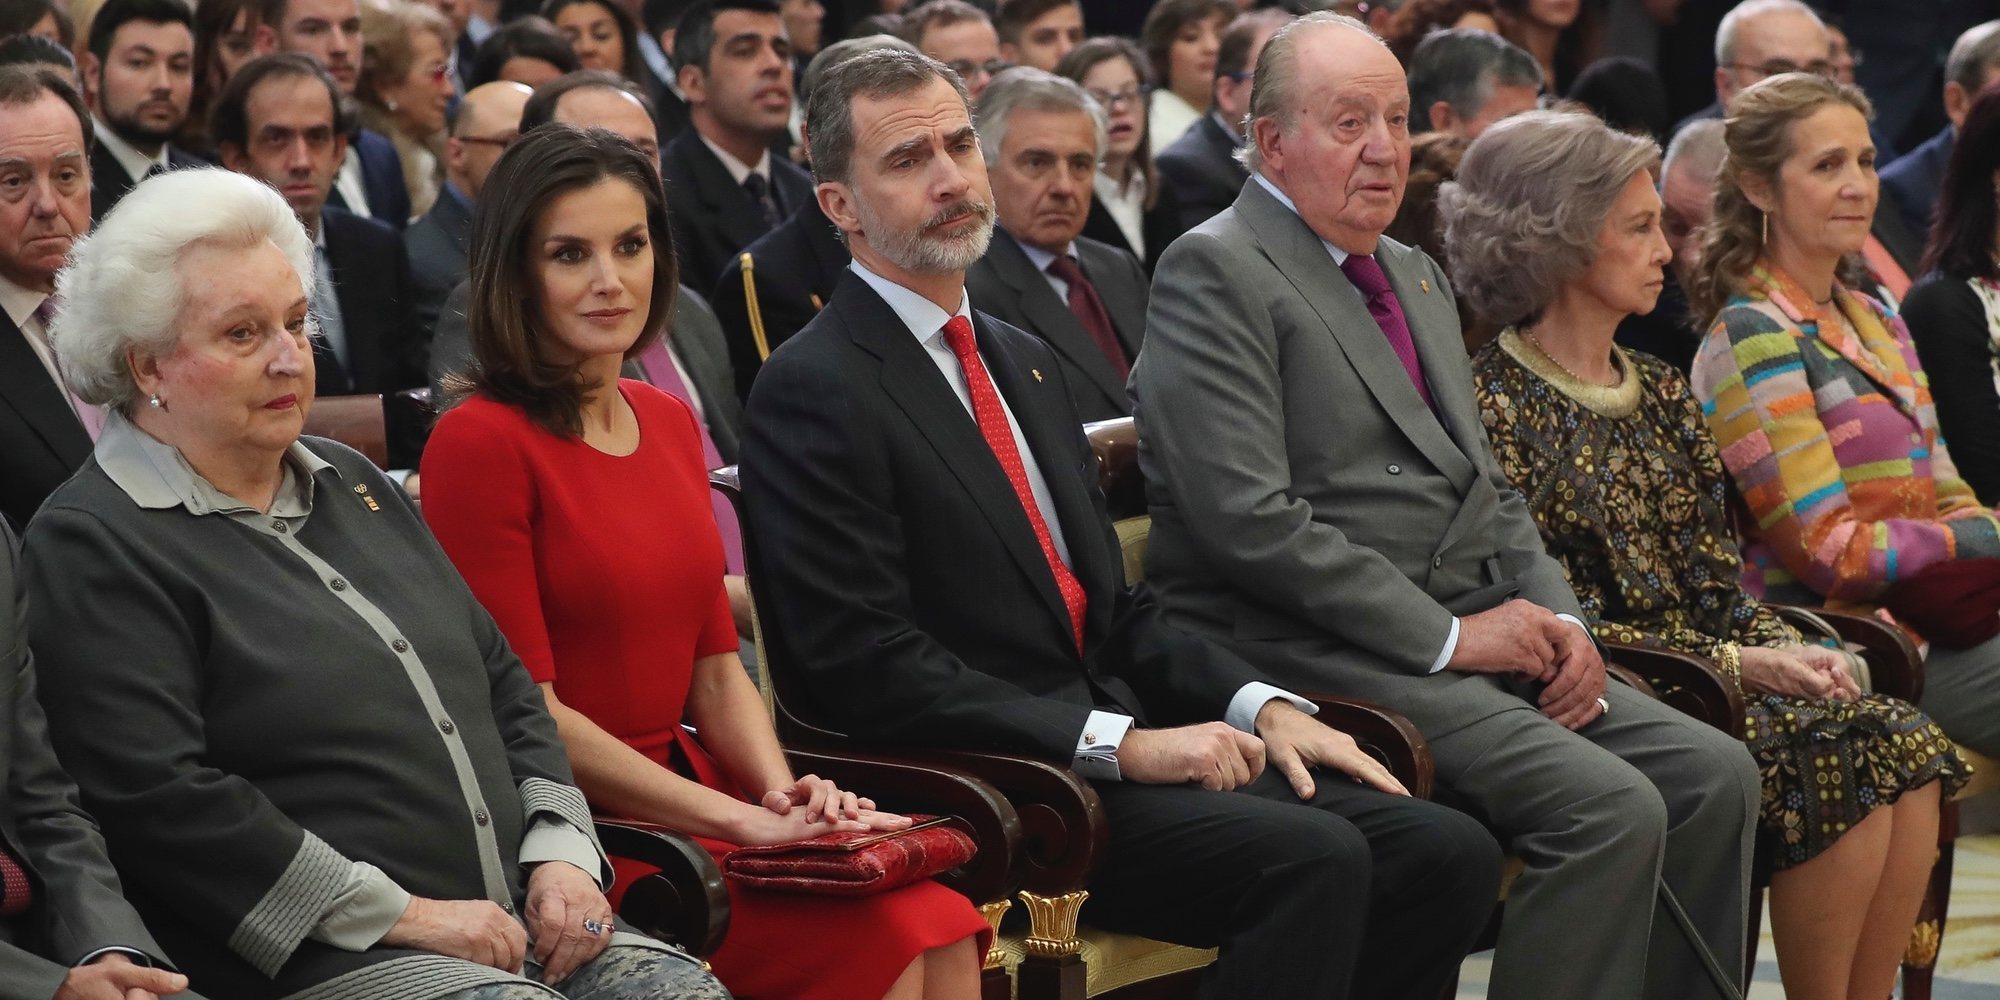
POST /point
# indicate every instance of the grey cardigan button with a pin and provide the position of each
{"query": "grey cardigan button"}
(279, 527)
(481, 818)
(337, 583)
(446, 727)
(400, 646)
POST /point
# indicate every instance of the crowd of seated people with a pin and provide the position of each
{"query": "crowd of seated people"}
(1453, 370)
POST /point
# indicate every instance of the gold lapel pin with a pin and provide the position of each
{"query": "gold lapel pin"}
(1425, 285)
(361, 490)
(1036, 372)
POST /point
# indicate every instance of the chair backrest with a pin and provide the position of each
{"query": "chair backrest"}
(355, 421)
(1116, 445)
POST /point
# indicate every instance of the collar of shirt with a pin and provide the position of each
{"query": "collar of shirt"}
(19, 303)
(136, 164)
(478, 29)
(157, 477)
(925, 320)
(1042, 258)
(736, 167)
(1132, 192)
(1339, 255)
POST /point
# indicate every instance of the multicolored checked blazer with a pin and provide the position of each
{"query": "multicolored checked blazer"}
(1833, 443)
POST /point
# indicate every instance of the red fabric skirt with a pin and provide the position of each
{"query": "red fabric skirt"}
(798, 946)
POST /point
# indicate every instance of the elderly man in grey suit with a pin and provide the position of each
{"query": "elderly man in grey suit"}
(65, 929)
(1325, 502)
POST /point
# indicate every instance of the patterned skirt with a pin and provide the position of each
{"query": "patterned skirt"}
(1828, 764)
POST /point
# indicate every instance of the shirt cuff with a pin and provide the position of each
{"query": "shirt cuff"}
(363, 912)
(1450, 647)
(552, 839)
(1250, 699)
(1097, 746)
(137, 957)
(1578, 622)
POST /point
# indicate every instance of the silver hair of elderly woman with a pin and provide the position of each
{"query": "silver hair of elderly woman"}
(123, 289)
(1025, 88)
(1522, 218)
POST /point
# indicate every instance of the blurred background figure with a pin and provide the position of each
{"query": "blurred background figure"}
(1182, 39)
(406, 87)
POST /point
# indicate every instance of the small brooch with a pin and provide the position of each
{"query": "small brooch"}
(362, 492)
(1036, 372)
(1425, 284)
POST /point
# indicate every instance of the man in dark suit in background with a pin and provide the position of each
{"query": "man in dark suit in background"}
(45, 433)
(724, 188)
(370, 177)
(670, 108)
(1042, 138)
(485, 123)
(139, 72)
(1912, 182)
(937, 566)
(367, 340)
(1201, 165)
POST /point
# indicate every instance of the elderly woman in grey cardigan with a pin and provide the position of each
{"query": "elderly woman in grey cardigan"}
(320, 769)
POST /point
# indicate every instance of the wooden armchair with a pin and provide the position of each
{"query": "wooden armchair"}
(1063, 833)
(684, 903)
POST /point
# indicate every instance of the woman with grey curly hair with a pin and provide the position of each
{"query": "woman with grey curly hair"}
(321, 769)
(1628, 489)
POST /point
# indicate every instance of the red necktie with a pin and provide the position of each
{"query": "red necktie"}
(1368, 279)
(1090, 311)
(17, 893)
(992, 418)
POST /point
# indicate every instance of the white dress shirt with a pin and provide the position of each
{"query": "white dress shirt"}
(1339, 258)
(1103, 732)
(135, 163)
(1167, 117)
(738, 170)
(1042, 259)
(1127, 205)
(349, 182)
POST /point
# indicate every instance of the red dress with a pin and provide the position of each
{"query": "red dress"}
(605, 574)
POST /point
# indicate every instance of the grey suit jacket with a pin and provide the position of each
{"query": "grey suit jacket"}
(696, 340)
(78, 907)
(1005, 285)
(1308, 508)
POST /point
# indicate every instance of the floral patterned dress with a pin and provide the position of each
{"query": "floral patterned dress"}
(1630, 495)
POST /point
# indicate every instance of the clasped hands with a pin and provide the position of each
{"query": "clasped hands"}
(1800, 671)
(1220, 757)
(1522, 637)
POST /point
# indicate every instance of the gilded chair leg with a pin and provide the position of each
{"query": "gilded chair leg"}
(995, 983)
(1053, 967)
(1927, 937)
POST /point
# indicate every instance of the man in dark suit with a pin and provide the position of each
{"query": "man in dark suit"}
(1913, 181)
(670, 107)
(485, 123)
(724, 188)
(1325, 503)
(69, 934)
(45, 433)
(369, 181)
(1042, 138)
(139, 71)
(937, 565)
(1201, 165)
(366, 340)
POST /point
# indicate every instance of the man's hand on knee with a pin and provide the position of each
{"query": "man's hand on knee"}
(1213, 755)
(1510, 639)
(1296, 743)
(1572, 699)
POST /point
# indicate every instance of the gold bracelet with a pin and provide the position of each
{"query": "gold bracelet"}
(1729, 656)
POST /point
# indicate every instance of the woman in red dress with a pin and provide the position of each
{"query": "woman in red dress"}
(576, 505)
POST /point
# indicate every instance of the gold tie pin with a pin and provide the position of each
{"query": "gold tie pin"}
(1036, 372)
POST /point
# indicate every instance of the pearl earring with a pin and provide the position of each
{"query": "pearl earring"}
(154, 399)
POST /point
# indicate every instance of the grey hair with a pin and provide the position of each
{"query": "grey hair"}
(1271, 92)
(1975, 52)
(1545, 180)
(123, 290)
(843, 50)
(1025, 87)
(882, 72)
(1725, 33)
(1461, 66)
(1700, 147)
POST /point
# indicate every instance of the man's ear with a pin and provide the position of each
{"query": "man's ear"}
(1444, 117)
(91, 70)
(267, 39)
(232, 157)
(837, 201)
(694, 83)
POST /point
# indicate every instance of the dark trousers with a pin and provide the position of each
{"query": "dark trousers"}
(1356, 893)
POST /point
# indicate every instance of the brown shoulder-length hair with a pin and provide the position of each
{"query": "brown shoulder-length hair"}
(511, 357)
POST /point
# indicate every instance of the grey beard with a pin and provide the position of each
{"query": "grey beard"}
(919, 252)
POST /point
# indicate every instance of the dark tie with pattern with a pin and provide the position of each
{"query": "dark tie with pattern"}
(17, 890)
(991, 416)
(759, 191)
(1368, 279)
(1090, 311)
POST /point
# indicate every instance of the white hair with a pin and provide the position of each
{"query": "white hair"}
(1025, 88)
(1725, 33)
(122, 289)
(1272, 89)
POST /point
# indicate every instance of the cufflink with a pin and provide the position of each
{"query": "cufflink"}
(1036, 372)
(1089, 739)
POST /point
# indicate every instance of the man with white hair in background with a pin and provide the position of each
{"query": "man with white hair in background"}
(1763, 38)
(1326, 505)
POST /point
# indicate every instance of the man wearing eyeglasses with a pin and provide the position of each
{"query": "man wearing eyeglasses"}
(485, 124)
(1763, 38)
(960, 36)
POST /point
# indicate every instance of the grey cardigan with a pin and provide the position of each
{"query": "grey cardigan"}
(258, 706)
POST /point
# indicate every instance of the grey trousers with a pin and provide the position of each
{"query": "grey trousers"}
(622, 972)
(1962, 693)
(1600, 818)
